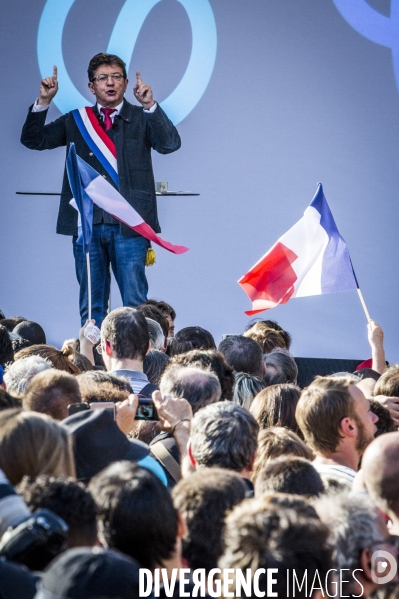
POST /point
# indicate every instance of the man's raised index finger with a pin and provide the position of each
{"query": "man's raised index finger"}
(55, 71)
(138, 77)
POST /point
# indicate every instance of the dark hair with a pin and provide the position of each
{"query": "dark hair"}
(18, 343)
(6, 351)
(199, 387)
(275, 406)
(32, 331)
(289, 474)
(190, 338)
(97, 377)
(209, 359)
(8, 401)
(163, 306)
(154, 365)
(388, 383)
(280, 367)
(243, 354)
(126, 330)
(68, 499)
(262, 536)
(272, 324)
(11, 323)
(103, 58)
(151, 311)
(50, 392)
(136, 512)
(385, 422)
(246, 388)
(225, 435)
(204, 503)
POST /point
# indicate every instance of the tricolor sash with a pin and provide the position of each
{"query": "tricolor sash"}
(98, 141)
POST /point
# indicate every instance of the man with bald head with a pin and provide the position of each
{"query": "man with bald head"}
(380, 469)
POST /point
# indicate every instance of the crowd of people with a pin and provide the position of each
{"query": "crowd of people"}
(156, 451)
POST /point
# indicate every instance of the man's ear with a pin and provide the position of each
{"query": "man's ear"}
(108, 348)
(348, 427)
(190, 454)
(91, 87)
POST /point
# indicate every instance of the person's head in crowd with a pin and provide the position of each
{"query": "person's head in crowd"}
(90, 573)
(299, 503)
(267, 338)
(289, 474)
(137, 516)
(93, 392)
(70, 500)
(50, 392)
(388, 383)
(144, 430)
(190, 338)
(32, 331)
(243, 354)
(336, 421)
(385, 422)
(260, 535)
(213, 360)
(79, 360)
(56, 357)
(6, 351)
(203, 503)
(271, 324)
(18, 343)
(153, 312)
(32, 444)
(280, 367)
(125, 339)
(167, 311)
(278, 441)
(276, 405)
(98, 442)
(200, 388)
(19, 374)
(380, 470)
(247, 386)
(8, 401)
(157, 338)
(357, 530)
(11, 323)
(154, 365)
(224, 435)
(96, 378)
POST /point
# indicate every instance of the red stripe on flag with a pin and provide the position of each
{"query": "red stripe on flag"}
(271, 281)
(100, 131)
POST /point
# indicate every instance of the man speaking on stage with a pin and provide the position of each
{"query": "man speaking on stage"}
(112, 130)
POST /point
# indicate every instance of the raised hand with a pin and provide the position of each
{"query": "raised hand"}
(48, 88)
(143, 92)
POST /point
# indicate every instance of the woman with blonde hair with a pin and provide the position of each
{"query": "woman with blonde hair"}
(33, 444)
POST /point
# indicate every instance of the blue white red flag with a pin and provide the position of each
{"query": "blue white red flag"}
(82, 201)
(97, 189)
(310, 259)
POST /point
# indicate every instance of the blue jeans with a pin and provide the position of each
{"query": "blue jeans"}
(127, 257)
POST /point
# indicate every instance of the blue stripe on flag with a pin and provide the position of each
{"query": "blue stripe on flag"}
(83, 202)
(94, 148)
(337, 270)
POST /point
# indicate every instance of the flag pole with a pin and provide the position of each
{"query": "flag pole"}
(88, 282)
(364, 305)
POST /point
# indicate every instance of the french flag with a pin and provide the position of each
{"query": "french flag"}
(89, 187)
(310, 259)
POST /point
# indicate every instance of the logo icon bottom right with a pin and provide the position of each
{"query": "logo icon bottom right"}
(384, 567)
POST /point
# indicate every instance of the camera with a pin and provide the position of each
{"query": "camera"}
(146, 409)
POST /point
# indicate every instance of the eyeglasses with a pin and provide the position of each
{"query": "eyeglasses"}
(104, 78)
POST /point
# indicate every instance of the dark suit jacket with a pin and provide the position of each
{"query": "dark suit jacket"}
(134, 133)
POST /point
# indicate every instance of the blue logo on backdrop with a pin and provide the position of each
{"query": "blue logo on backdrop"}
(372, 24)
(123, 38)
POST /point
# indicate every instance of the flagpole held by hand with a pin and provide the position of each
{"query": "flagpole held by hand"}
(88, 282)
(364, 305)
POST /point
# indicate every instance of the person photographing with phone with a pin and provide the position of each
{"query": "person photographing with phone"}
(130, 132)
